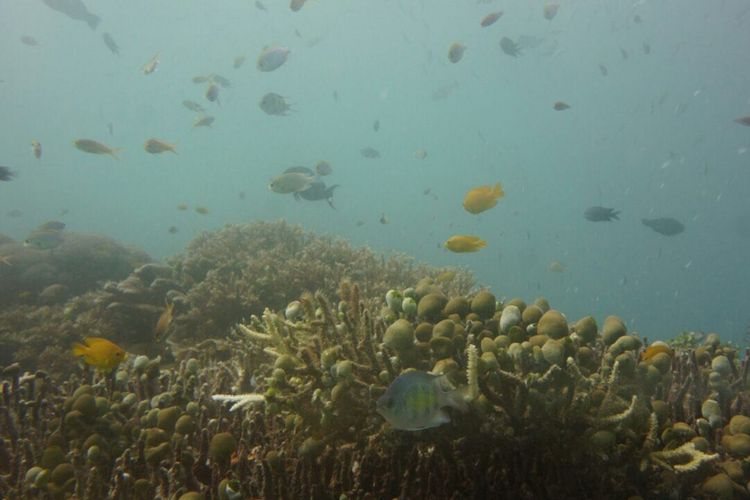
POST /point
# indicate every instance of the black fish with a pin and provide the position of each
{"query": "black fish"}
(111, 44)
(318, 191)
(601, 214)
(74, 9)
(5, 174)
(664, 225)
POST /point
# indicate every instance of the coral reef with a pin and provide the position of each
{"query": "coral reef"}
(43, 277)
(284, 407)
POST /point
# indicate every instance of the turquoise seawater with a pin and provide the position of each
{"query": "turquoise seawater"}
(654, 137)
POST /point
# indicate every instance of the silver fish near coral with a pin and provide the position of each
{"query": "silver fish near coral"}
(415, 400)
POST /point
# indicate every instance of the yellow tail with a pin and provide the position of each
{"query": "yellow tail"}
(80, 350)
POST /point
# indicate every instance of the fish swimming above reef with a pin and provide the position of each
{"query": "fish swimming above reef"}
(272, 58)
(74, 9)
(370, 153)
(44, 239)
(416, 400)
(203, 121)
(111, 44)
(743, 120)
(100, 353)
(318, 191)
(601, 214)
(665, 225)
(464, 243)
(95, 147)
(165, 319)
(490, 19)
(291, 182)
(36, 149)
(482, 198)
(193, 106)
(510, 47)
(274, 104)
(456, 52)
(156, 146)
(560, 106)
(6, 174)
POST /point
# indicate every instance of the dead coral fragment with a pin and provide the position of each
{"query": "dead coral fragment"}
(686, 458)
(240, 400)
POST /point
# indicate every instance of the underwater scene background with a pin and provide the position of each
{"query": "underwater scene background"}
(654, 137)
(414, 249)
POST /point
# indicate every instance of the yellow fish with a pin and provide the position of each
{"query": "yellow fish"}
(483, 198)
(99, 353)
(462, 243)
(164, 320)
(656, 348)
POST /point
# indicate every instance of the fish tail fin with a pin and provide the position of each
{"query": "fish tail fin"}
(114, 152)
(481, 244)
(80, 349)
(498, 190)
(615, 214)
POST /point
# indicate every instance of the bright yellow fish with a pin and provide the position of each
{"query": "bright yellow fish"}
(656, 348)
(483, 198)
(99, 353)
(462, 243)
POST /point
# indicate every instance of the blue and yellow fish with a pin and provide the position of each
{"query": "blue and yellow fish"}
(415, 400)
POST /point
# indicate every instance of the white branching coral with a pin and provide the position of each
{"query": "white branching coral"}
(240, 400)
(686, 458)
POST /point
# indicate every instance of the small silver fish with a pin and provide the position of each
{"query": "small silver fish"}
(415, 400)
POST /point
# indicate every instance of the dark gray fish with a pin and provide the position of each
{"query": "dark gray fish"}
(601, 214)
(111, 128)
(444, 91)
(510, 47)
(193, 106)
(318, 191)
(111, 44)
(664, 225)
(74, 9)
(603, 70)
(212, 93)
(5, 174)
(30, 41)
(376, 125)
(221, 80)
(371, 153)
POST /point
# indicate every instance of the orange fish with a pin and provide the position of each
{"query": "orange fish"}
(656, 348)
(100, 353)
(482, 198)
(164, 320)
(463, 243)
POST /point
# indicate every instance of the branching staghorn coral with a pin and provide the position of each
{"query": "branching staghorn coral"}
(686, 458)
